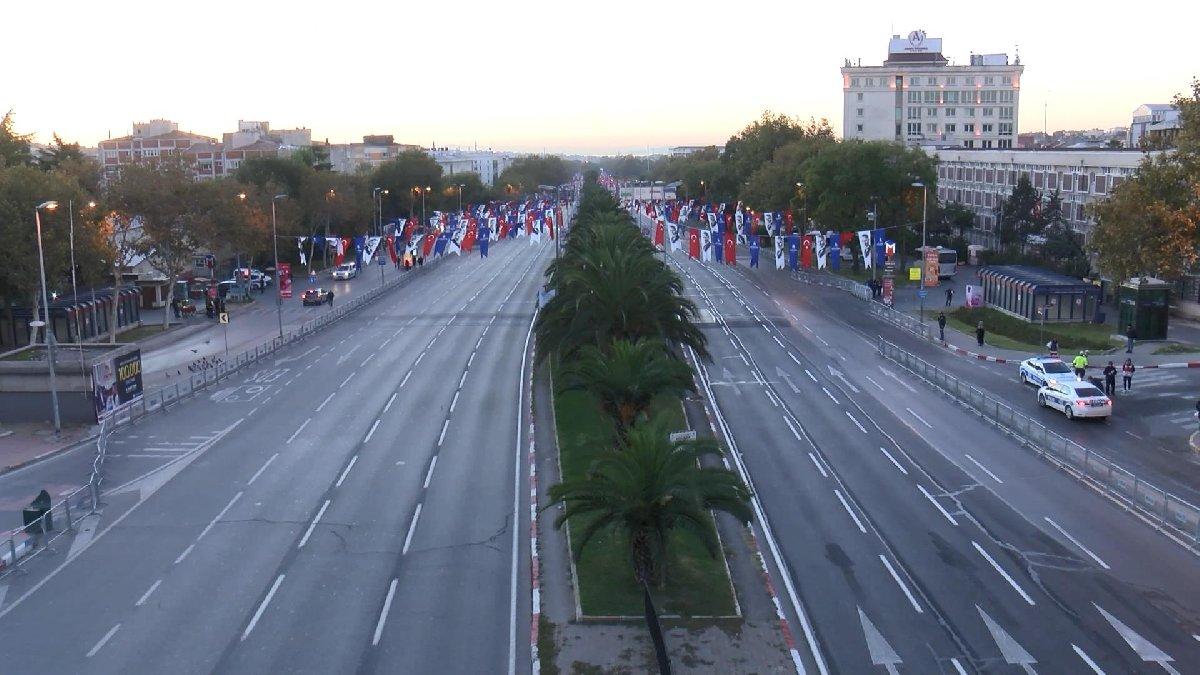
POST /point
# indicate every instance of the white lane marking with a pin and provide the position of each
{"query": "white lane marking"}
(384, 343)
(365, 362)
(297, 431)
(1000, 570)
(442, 436)
(429, 474)
(821, 339)
(1075, 541)
(810, 375)
(830, 395)
(893, 460)
(454, 402)
(771, 396)
(462, 379)
(185, 553)
(1086, 659)
(263, 607)
(471, 360)
(218, 517)
(325, 401)
(897, 378)
(412, 527)
(958, 667)
(795, 433)
(146, 596)
(348, 378)
(346, 472)
(896, 577)
(807, 329)
(419, 357)
(937, 506)
(919, 418)
(852, 419)
(846, 505)
(743, 358)
(371, 432)
(405, 380)
(777, 341)
(387, 606)
(983, 468)
(104, 640)
(313, 525)
(390, 402)
(818, 465)
(1134, 435)
(873, 382)
(794, 358)
(516, 503)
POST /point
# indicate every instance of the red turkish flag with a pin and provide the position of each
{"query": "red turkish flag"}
(503, 234)
(468, 240)
(409, 226)
(659, 233)
(693, 242)
(847, 238)
(789, 221)
(427, 247)
(730, 247)
(528, 224)
(550, 224)
(806, 250)
(391, 247)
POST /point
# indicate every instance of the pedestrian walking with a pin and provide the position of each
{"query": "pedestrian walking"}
(1080, 363)
(1130, 336)
(949, 296)
(1127, 370)
(1052, 345)
(979, 333)
(1110, 379)
(942, 326)
(331, 298)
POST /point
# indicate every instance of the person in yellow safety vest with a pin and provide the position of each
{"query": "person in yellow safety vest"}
(1080, 363)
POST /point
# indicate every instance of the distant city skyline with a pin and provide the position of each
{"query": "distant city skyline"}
(544, 76)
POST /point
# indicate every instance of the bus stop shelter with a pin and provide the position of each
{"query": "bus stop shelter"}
(1037, 295)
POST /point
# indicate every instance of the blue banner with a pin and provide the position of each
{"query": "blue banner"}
(793, 251)
(835, 250)
(877, 240)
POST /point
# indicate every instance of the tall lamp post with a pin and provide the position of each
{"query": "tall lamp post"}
(460, 189)
(46, 326)
(275, 243)
(377, 194)
(74, 285)
(924, 252)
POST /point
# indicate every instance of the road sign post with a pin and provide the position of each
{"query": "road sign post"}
(223, 317)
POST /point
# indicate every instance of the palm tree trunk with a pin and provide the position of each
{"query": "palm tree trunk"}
(656, 636)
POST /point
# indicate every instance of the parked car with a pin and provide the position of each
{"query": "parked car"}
(345, 271)
(1041, 370)
(1075, 399)
(257, 278)
(316, 296)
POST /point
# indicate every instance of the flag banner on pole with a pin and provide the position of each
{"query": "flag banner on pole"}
(439, 245)
(427, 249)
(717, 237)
(370, 247)
(754, 248)
(789, 221)
(706, 252)
(300, 245)
(730, 247)
(485, 238)
(835, 251)
(877, 238)
(780, 253)
(673, 232)
(820, 242)
(793, 251)
(659, 233)
(806, 252)
(693, 242)
(864, 246)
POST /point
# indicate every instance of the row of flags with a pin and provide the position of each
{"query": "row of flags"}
(718, 234)
(444, 233)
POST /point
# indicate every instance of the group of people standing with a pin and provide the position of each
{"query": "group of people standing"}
(1080, 364)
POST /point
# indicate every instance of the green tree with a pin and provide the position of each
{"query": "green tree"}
(58, 153)
(525, 174)
(1020, 214)
(772, 186)
(958, 218)
(645, 491)
(627, 377)
(401, 176)
(14, 147)
(757, 143)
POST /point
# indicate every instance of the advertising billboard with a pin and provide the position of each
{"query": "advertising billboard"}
(285, 280)
(116, 382)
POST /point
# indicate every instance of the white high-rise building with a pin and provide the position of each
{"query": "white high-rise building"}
(918, 97)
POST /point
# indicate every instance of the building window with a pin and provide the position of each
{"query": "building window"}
(987, 144)
(914, 113)
(915, 80)
(987, 112)
(1007, 81)
(952, 80)
(1006, 128)
(989, 81)
(931, 128)
(950, 128)
(951, 97)
(951, 112)
(987, 128)
(970, 112)
(1005, 96)
(1004, 143)
(859, 128)
(969, 128)
(854, 82)
(870, 82)
(1006, 112)
(988, 96)
(914, 128)
(860, 112)
(914, 97)
(931, 112)
(931, 96)
(971, 96)
(860, 95)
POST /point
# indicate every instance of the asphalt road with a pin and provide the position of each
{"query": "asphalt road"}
(346, 506)
(904, 533)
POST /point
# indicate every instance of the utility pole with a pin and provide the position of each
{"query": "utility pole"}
(278, 288)
(47, 327)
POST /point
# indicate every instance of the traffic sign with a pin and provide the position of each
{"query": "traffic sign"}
(224, 317)
(382, 262)
(922, 293)
(678, 436)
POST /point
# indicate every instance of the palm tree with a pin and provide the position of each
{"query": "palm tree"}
(646, 489)
(627, 377)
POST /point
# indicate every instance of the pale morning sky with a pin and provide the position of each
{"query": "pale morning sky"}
(595, 77)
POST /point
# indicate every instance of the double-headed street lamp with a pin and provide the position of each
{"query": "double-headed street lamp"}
(924, 211)
(377, 194)
(46, 326)
(278, 287)
(423, 190)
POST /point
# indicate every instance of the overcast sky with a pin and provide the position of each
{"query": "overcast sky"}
(569, 76)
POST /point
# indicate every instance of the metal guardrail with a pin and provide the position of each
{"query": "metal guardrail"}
(22, 544)
(1165, 510)
(897, 318)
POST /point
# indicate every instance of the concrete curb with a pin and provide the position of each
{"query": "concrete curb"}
(49, 454)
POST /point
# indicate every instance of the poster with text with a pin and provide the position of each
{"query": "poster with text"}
(285, 280)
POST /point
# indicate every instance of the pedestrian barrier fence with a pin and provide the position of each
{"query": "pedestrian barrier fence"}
(861, 291)
(22, 544)
(1166, 511)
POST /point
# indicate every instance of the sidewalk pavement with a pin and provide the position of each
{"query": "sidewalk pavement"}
(23, 444)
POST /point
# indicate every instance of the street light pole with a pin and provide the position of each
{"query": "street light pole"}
(49, 331)
(924, 250)
(460, 189)
(278, 289)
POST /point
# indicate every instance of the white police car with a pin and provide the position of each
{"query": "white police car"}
(1041, 370)
(345, 271)
(1075, 399)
